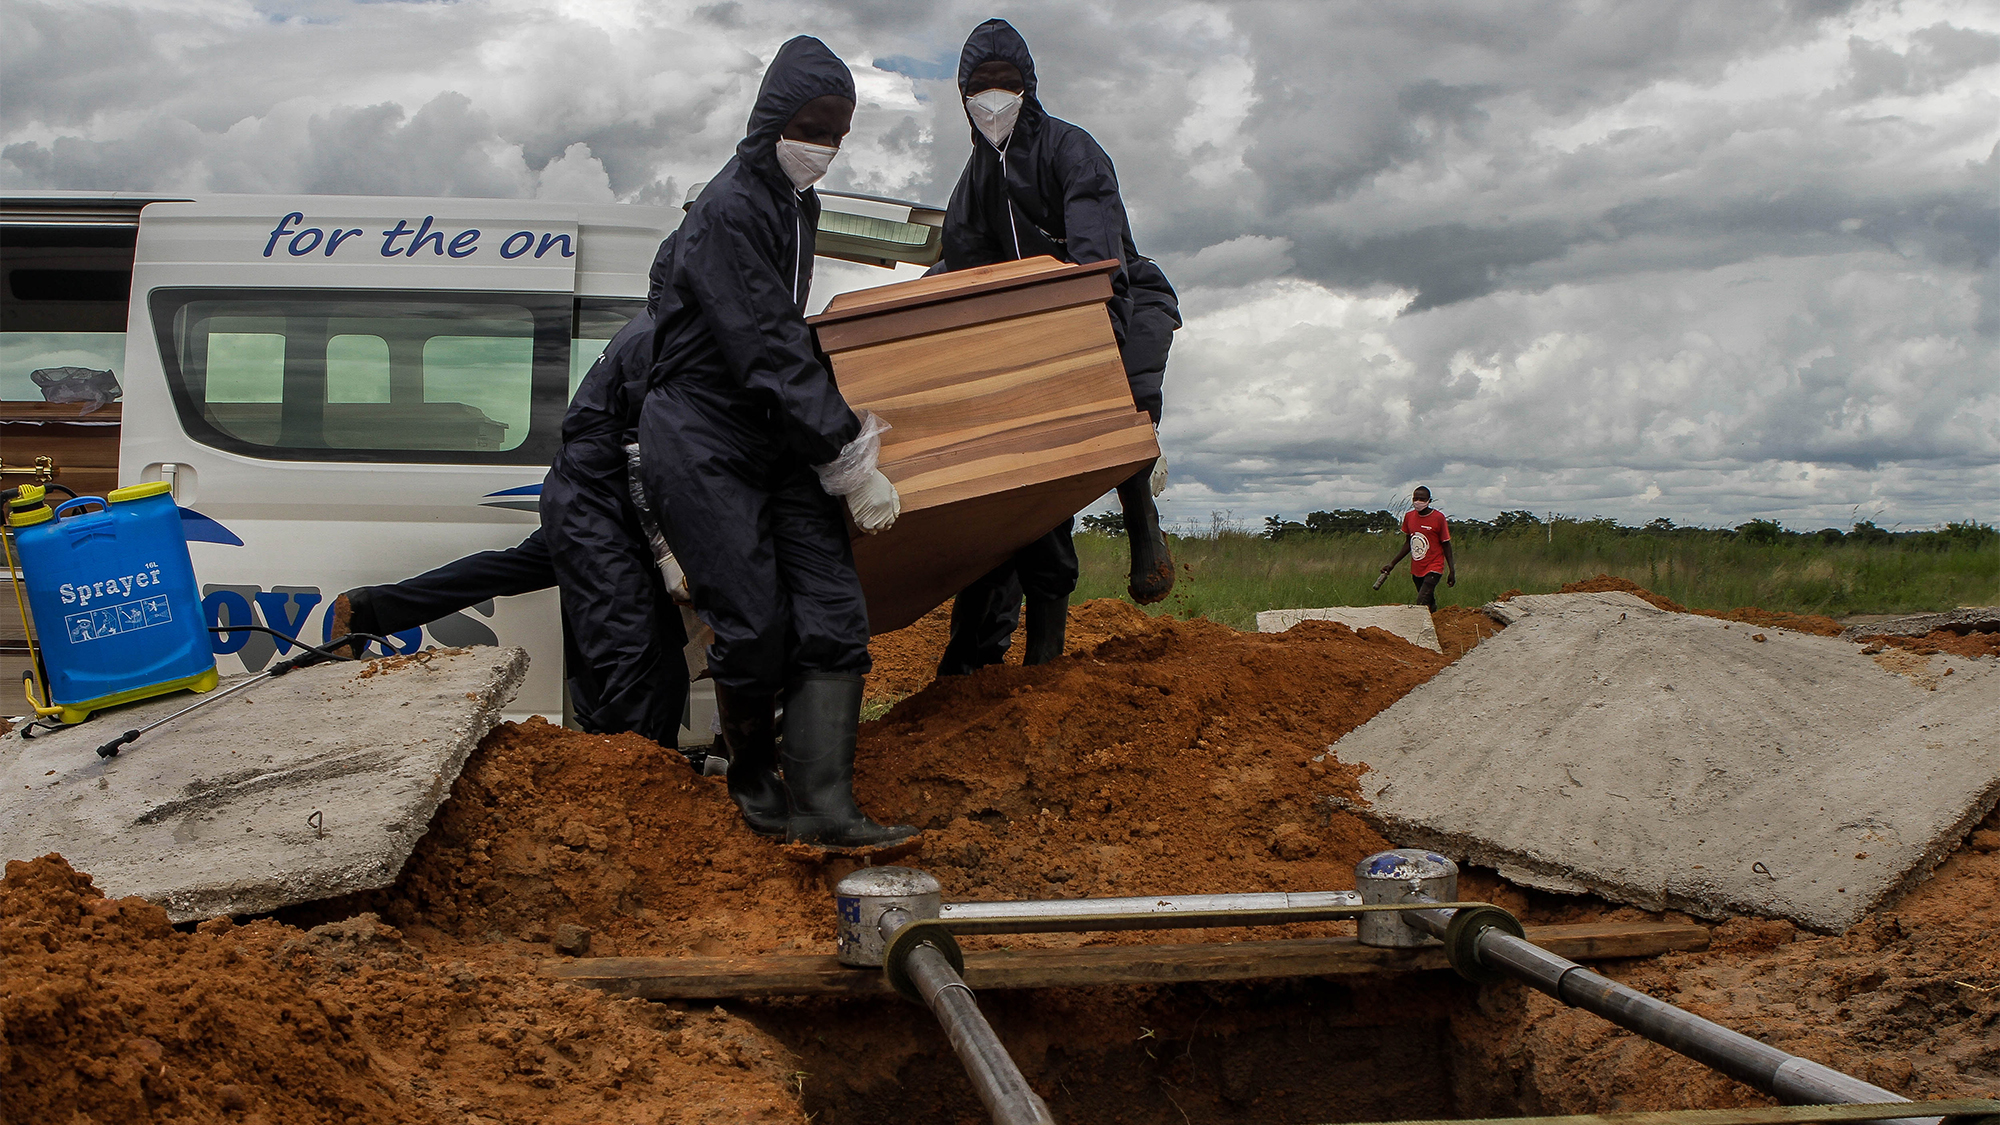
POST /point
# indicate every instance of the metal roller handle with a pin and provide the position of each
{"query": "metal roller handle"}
(1787, 1077)
(1157, 911)
(1002, 1089)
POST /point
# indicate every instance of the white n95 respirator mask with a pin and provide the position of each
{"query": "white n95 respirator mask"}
(804, 164)
(994, 112)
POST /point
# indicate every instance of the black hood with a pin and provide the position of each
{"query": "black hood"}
(996, 39)
(804, 69)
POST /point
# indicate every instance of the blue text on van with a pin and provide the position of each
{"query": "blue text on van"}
(299, 241)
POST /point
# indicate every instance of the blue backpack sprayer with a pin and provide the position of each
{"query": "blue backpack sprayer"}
(112, 611)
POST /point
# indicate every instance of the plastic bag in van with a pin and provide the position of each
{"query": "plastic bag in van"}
(77, 384)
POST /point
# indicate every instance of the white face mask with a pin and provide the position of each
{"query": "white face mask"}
(994, 113)
(804, 164)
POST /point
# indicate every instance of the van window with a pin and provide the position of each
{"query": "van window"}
(357, 368)
(62, 303)
(353, 375)
(598, 319)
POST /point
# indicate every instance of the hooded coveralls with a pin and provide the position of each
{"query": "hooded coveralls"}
(1051, 190)
(743, 405)
(621, 634)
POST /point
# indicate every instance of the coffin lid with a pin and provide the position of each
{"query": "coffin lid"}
(954, 286)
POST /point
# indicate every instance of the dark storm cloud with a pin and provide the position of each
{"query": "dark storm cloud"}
(1696, 258)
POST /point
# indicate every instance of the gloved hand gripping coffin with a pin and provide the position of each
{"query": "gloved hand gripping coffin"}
(1008, 412)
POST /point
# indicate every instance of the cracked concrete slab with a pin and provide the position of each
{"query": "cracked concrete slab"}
(1410, 622)
(1969, 619)
(306, 786)
(1674, 761)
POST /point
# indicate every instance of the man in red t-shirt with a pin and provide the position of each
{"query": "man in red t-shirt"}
(1427, 540)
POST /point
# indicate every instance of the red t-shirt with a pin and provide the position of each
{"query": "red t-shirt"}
(1427, 530)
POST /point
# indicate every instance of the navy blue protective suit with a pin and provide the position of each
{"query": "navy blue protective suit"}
(1052, 190)
(743, 405)
(622, 636)
(621, 633)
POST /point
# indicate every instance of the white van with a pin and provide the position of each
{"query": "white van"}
(343, 390)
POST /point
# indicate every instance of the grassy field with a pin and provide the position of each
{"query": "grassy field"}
(1229, 576)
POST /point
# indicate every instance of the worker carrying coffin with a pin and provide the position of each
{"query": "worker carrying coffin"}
(1039, 185)
(747, 447)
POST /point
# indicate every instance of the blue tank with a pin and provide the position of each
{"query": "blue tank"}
(114, 600)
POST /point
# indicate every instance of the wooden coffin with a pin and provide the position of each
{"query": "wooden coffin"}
(1009, 412)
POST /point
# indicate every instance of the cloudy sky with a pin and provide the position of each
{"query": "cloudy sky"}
(1702, 259)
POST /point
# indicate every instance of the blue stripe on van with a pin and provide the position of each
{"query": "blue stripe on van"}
(527, 498)
(200, 529)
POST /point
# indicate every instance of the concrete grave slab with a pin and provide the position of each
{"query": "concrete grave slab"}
(1971, 619)
(1676, 761)
(313, 784)
(1410, 622)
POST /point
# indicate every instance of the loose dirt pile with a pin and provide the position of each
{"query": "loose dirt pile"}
(1750, 615)
(111, 1015)
(1177, 755)
(906, 660)
(1942, 640)
(1159, 756)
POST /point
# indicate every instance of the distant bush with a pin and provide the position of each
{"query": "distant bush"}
(1868, 535)
(1104, 523)
(1761, 531)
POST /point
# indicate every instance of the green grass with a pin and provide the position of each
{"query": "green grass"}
(1229, 576)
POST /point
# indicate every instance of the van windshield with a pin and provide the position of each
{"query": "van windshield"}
(348, 375)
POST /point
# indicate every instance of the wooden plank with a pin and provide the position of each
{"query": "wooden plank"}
(930, 317)
(953, 286)
(30, 411)
(85, 447)
(13, 631)
(714, 978)
(72, 446)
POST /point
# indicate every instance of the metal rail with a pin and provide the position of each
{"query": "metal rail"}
(1965, 1110)
(1784, 1076)
(929, 971)
(1160, 912)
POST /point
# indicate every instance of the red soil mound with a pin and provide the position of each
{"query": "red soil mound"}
(547, 827)
(111, 1015)
(1179, 755)
(1750, 615)
(1166, 759)
(1459, 628)
(906, 660)
(1796, 622)
(1607, 583)
(1943, 640)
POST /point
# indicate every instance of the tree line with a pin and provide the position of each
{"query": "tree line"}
(1959, 535)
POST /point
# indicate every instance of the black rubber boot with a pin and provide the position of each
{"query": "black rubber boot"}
(822, 711)
(1152, 563)
(1048, 619)
(750, 734)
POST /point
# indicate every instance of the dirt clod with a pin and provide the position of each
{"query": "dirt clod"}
(572, 940)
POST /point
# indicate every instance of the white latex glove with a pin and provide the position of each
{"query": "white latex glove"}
(1159, 475)
(676, 579)
(875, 504)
